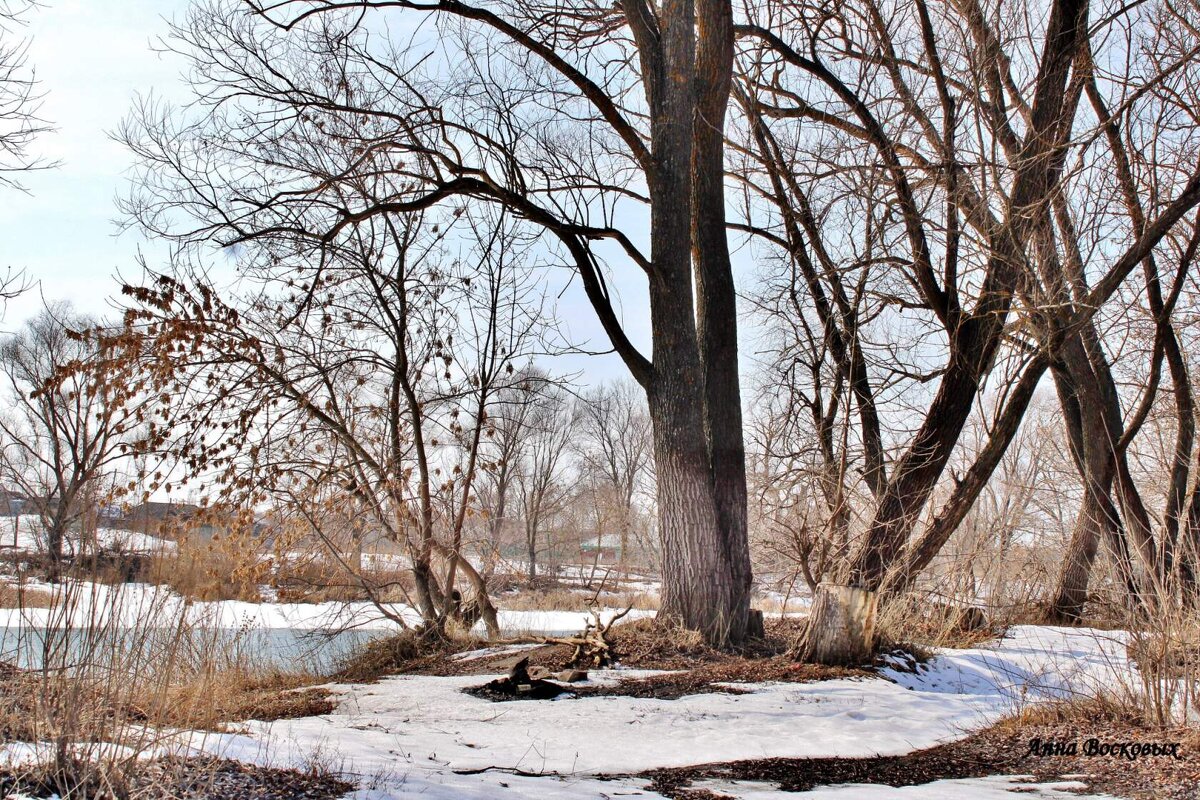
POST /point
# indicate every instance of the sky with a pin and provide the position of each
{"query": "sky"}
(92, 60)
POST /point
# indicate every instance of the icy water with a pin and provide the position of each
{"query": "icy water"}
(283, 648)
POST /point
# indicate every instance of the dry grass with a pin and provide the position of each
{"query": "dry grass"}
(775, 606)
(105, 696)
(210, 702)
(217, 569)
(560, 599)
(916, 620)
(24, 597)
(317, 579)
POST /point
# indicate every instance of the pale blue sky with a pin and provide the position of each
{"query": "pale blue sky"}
(91, 58)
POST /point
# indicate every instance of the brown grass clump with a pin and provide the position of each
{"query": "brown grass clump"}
(221, 568)
(205, 702)
(211, 701)
(23, 597)
(409, 651)
(915, 621)
(662, 644)
(174, 779)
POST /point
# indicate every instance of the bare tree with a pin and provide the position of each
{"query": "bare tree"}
(67, 427)
(927, 176)
(19, 100)
(560, 116)
(937, 246)
(540, 476)
(614, 447)
(359, 387)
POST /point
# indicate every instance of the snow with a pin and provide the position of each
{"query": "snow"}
(440, 743)
(133, 542)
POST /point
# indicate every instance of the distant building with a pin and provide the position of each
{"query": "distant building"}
(602, 549)
(13, 504)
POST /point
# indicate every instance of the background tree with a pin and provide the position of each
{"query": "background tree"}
(67, 427)
(541, 471)
(613, 442)
(356, 387)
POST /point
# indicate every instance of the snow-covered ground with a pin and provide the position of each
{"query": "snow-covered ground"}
(421, 736)
(411, 736)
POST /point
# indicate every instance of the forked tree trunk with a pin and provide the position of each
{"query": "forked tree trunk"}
(841, 627)
(692, 388)
(1089, 423)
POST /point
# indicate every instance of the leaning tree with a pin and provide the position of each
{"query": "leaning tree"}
(948, 238)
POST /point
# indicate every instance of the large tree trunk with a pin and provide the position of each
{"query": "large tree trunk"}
(1070, 594)
(693, 390)
(1089, 424)
(702, 588)
(54, 550)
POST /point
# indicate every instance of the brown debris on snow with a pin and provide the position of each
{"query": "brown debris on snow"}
(1003, 749)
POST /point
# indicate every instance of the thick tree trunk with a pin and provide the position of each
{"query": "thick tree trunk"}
(426, 603)
(693, 390)
(702, 588)
(1070, 594)
(1089, 422)
(54, 552)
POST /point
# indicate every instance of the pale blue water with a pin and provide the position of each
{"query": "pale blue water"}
(285, 648)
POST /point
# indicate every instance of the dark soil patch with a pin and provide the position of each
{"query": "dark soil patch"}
(190, 779)
(1001, 750)
(503, 690)
(721, 678)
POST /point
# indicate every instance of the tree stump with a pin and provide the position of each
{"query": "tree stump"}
(841, 626)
